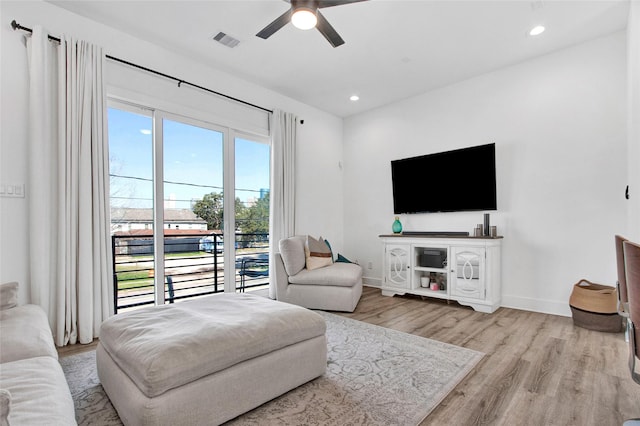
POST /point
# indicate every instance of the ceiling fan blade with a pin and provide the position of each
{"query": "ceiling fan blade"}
(328, 31)
(280, 22)
(331, 3)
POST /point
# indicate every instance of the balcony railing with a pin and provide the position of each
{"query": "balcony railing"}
(193, 267)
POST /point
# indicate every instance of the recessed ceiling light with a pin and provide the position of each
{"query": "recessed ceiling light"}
(537, 30)
(354, 98)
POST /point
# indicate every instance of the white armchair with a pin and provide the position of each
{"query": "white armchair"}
(336, 287)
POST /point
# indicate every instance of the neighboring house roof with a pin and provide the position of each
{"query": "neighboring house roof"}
(126, 215)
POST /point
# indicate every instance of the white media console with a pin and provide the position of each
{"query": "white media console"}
(452, 267)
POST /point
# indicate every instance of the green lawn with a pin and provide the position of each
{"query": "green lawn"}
(124, 275)
(131, 277)
(186, 254)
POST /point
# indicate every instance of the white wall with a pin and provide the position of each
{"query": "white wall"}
(319, 149)
(633, 114)
(559, 124)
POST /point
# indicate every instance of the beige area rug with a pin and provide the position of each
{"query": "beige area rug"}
(375, 376)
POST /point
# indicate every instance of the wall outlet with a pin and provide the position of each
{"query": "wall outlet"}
(12, 190)
(369, 265)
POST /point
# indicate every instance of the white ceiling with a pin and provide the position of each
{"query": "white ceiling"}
(394, 48)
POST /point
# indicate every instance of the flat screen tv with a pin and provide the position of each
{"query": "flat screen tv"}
(451, 181)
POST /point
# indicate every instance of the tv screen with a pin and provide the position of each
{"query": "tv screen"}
(459, 180)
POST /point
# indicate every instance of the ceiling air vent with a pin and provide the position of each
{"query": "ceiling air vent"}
(225, 39)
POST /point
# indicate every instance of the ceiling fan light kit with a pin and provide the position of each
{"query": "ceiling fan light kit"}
(304, 19)
(304, 14)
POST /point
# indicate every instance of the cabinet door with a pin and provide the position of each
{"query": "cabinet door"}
(467, 272)
(397, 265)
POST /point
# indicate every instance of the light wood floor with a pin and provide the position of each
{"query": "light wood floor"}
(538, 369)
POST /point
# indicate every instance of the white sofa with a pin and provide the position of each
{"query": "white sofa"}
(33, 389)
(336, 287)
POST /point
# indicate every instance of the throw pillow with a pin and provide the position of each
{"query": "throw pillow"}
(8, 295)
(330, 249)
(342, 259)
(317, 253)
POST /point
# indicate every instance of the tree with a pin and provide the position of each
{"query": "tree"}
(211, 209)
(255, 219)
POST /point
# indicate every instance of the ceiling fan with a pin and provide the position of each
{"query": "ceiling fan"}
(304, 14)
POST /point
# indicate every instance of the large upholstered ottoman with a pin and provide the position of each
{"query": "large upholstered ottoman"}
(208, 360)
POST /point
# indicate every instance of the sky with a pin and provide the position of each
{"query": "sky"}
(193, 162)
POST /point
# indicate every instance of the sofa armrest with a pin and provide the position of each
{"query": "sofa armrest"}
(281, 277)
(5, 406)
(8, 295)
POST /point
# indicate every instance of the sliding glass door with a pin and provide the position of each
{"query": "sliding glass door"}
(177, 233)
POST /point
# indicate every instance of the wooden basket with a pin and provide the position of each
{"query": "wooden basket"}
(595, 306)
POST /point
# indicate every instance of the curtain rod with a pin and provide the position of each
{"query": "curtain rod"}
(180, 81)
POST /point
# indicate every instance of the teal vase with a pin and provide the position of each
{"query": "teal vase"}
(397, 226)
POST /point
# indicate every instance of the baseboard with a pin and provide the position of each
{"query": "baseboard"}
(372, 282)
(543, 306)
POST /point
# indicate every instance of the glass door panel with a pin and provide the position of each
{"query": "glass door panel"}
(193, 210)
(252, 161)
(131, 199)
